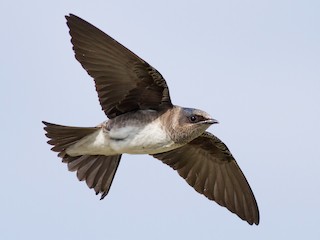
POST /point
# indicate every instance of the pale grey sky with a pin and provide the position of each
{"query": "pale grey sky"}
(253, 65)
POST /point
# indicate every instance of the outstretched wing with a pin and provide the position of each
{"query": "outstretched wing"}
(208, 166)
(124, 81)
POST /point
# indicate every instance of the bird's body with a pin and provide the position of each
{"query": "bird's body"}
(142, 120)
(127, 134)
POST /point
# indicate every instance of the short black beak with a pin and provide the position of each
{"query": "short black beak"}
(211, 121)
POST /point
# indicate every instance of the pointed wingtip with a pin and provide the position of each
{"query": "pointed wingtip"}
(103, 195)
(254, 222)
(70, 15)
(47, 124)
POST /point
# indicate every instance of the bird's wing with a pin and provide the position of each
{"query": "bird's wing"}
(124, 81)
(208, 166)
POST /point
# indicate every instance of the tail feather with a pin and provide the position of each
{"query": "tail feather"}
(62, 137)
(97, 170)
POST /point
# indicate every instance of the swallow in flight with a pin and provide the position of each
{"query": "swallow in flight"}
(142, 120)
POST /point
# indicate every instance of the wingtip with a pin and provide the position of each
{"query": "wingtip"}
(103, 195)
(254, 221)
(257, 221)
(47, 124)
(70, 15)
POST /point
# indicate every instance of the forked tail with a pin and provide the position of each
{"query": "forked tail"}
(62, 137)
(97, 170)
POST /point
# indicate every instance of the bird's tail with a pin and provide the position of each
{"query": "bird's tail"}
(97, 170)
(62, 137)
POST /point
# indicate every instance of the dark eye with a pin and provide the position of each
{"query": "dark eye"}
(193, 118)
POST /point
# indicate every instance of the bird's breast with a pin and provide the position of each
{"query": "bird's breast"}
(148, 139)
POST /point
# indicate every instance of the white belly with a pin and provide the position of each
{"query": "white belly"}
(150, 139)
(97, 143)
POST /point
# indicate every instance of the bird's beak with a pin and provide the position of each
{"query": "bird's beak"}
(211, 121)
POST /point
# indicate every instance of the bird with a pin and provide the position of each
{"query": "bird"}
(141, 119)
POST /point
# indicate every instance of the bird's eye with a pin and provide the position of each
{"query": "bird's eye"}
(193, 118)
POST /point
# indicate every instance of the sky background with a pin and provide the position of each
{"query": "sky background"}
(253, 65)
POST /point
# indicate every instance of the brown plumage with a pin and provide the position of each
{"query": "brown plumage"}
(124, 81)
(208, 166)
(142, 120)
(98, 171)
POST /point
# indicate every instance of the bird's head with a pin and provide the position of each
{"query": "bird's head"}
(192, 123)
